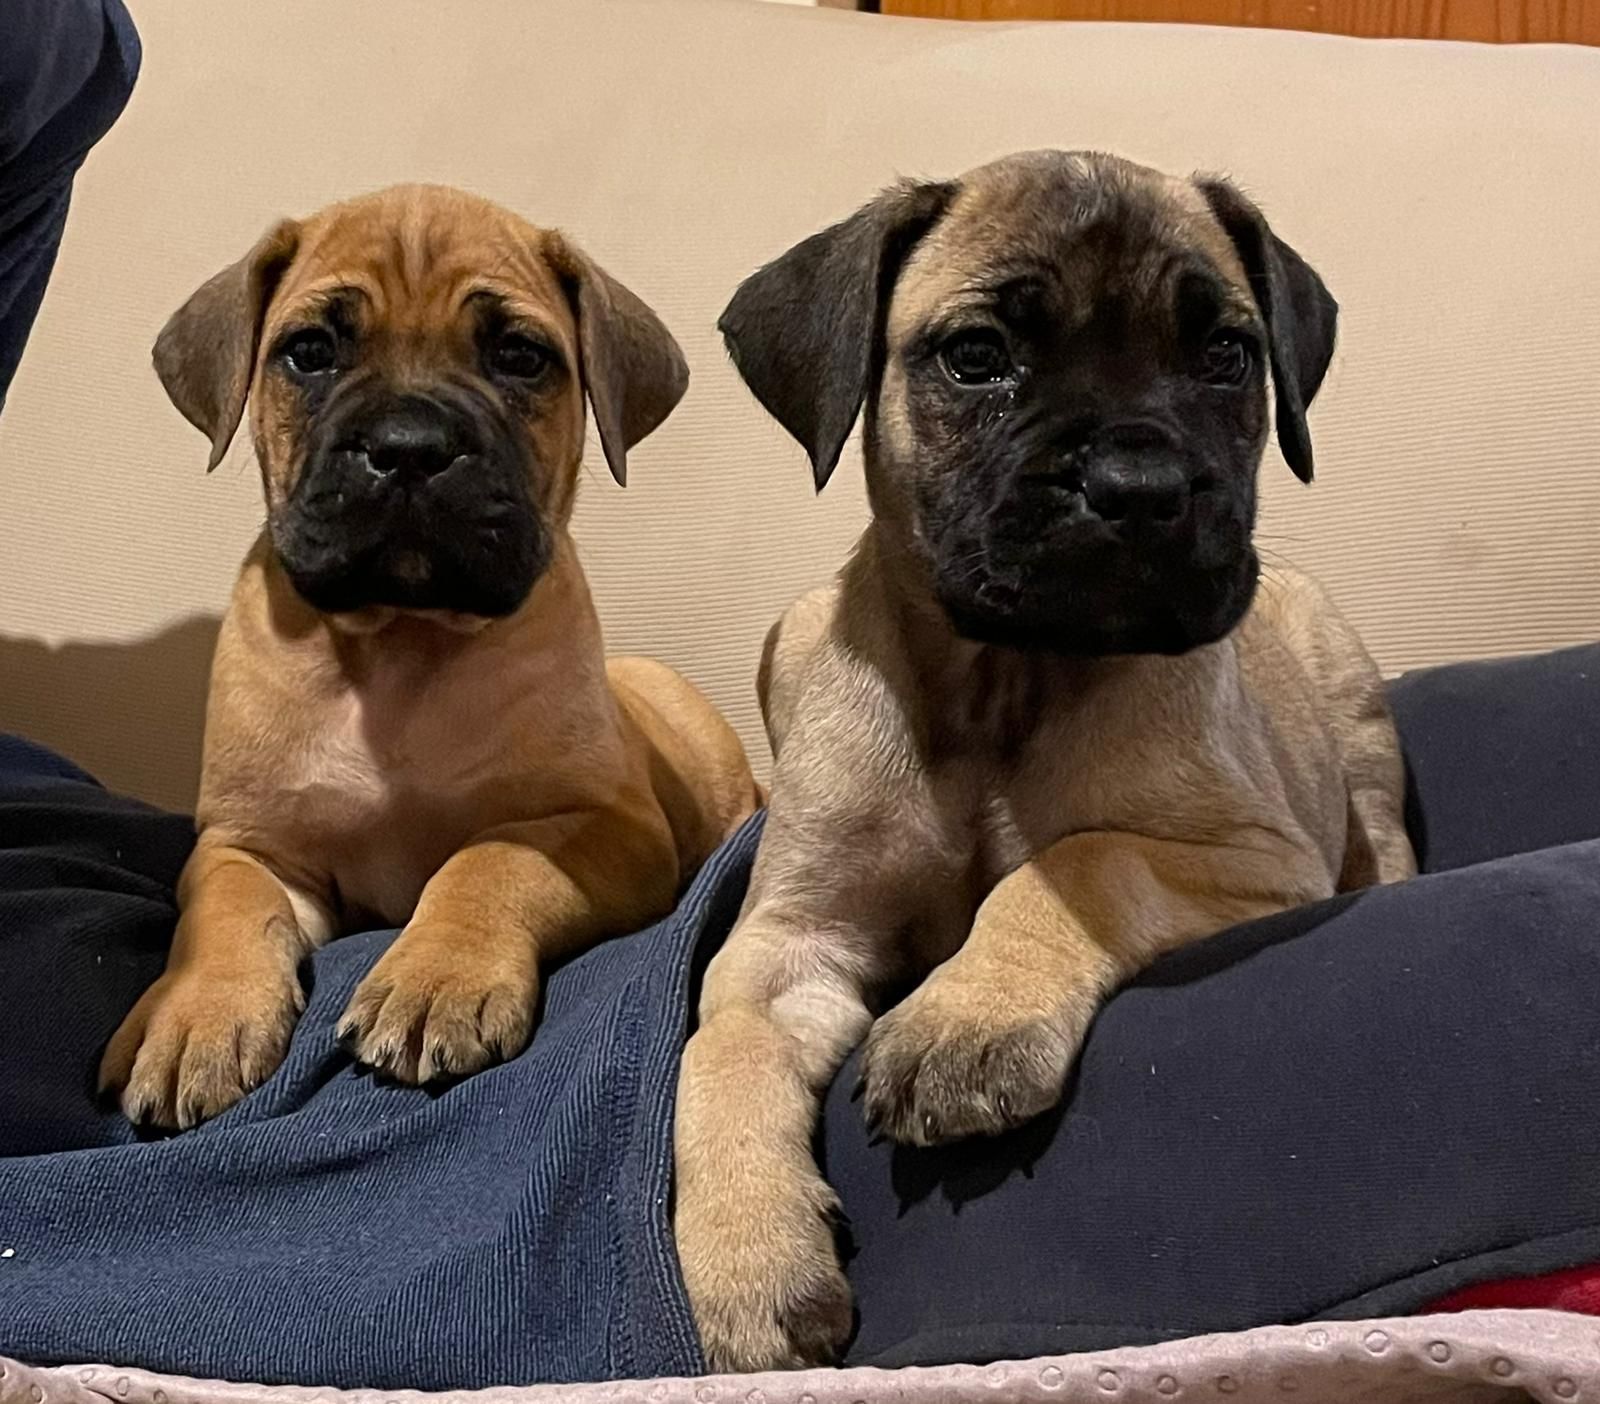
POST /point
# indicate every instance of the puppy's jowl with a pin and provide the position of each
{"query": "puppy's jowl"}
(1052, 718)
(411, 719)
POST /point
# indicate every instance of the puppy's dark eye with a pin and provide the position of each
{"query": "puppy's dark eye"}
(518, 356)
(310, 352)
(1228, 357)
(976, 358)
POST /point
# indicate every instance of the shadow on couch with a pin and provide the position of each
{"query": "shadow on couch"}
(132, 713)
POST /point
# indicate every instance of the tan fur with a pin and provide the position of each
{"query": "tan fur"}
(495, 787)
(1020, 832)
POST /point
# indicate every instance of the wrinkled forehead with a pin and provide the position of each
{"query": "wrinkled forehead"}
(420, 263)
(1074, 231)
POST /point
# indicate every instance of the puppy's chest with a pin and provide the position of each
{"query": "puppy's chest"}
(1002, 830)
(378, 795)
(965, 833)
(1119, 756)
(351, 773)
(360, 779)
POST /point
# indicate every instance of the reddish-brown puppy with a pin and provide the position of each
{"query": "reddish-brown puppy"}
(411, 717)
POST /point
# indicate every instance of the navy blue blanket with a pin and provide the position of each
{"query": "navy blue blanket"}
(1346, 1109)
(328, 1229)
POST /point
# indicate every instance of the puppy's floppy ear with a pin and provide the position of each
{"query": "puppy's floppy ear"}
(206, 353)
(805, 330)
(1300, 313)
(633, 371)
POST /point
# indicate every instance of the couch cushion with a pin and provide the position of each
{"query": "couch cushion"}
(1502, 757)
(1346, 1110)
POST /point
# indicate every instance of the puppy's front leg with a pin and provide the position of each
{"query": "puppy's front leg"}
(218, 1021)
(782, 1007)
(459, 987)
(986, 1042)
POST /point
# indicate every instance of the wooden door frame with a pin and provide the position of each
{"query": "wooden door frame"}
(1481, 21)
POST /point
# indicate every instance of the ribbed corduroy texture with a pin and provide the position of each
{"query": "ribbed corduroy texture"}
(510, 1229)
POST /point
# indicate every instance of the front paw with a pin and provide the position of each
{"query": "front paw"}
(438, 1005)
(763, 1276)
(938, 1068)
(193, 1046)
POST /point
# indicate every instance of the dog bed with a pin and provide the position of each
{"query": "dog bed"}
(1344, 1111)
(1481, 1357)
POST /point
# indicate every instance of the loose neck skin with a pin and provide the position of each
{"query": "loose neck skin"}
(960, 695)
(902, 588)
(557, 618)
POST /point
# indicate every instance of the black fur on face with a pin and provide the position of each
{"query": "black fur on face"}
(1063, 359)
(1083, 435)
(417, 498)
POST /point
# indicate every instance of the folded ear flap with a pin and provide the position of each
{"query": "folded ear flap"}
(206, 353)
(633, 371)
(805, 330)
(1300, 314)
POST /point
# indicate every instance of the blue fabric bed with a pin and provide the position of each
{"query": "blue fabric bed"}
(328, 1229)
(1342, 1110)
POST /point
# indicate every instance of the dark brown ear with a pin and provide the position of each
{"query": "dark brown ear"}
(806, 330)
(206, 353)
(633, 371)
(1299, 311)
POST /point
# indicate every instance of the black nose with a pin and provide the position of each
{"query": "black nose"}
(411, 439)
(1130, 472)
(1125, 489)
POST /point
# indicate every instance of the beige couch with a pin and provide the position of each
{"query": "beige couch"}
(1450, 195)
